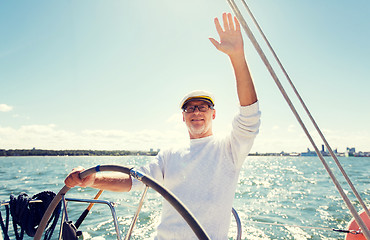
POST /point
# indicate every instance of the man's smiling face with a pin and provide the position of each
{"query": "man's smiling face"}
(199, 123)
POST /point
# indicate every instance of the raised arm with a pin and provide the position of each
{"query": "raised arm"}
(231, 43)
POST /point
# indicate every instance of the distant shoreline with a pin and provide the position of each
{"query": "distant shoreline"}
(42, 152)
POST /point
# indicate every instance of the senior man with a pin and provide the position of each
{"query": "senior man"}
(203, 174)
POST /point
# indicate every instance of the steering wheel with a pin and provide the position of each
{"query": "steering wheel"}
(147, 180)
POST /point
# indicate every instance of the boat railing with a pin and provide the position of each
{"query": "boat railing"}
(111, 206)
(95, 201)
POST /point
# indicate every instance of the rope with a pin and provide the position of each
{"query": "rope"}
(27, 215)
(38, 210)
(54, 204)
(282, 90)
(5, 227)
(19, 213)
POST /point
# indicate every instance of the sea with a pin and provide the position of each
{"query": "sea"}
(277, 197)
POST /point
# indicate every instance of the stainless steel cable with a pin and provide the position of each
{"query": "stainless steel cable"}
(332, 154)
(286, 97)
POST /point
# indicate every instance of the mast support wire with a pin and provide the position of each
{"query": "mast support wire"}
(332, 154)
(259, 50)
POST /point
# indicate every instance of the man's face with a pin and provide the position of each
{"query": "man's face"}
(199, 123)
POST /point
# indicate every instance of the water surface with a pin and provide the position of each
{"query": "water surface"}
(292, 191)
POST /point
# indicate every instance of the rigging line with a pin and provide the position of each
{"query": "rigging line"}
(307, 111)
(282, 90)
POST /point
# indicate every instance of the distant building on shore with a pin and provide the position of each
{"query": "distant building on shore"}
(309, 153)
(323, 152)
(350, 152)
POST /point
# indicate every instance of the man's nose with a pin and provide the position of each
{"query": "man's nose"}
(196, 109)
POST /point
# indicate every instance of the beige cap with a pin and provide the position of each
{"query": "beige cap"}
(198, 95)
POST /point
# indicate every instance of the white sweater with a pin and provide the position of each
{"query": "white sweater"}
(204, 176)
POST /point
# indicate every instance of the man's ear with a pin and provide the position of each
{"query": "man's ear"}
(214, 114)
(183, 117)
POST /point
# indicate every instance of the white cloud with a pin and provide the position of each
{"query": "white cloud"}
(176, 121)
(292, 139)
(292, 128)
(5, 108)
(174, 118)
(51, 137)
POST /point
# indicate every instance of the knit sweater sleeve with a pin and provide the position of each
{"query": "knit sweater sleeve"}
(155, 169)
(245, 128)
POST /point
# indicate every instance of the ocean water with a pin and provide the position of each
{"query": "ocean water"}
(275, 195)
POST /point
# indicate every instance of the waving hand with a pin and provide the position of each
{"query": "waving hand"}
(231, 41)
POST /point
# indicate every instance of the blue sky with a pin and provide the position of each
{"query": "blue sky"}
(110, 74)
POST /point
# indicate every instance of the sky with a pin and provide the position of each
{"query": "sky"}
(109, 75)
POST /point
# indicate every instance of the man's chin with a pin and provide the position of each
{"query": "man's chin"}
(197, 131)
(198, 128)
